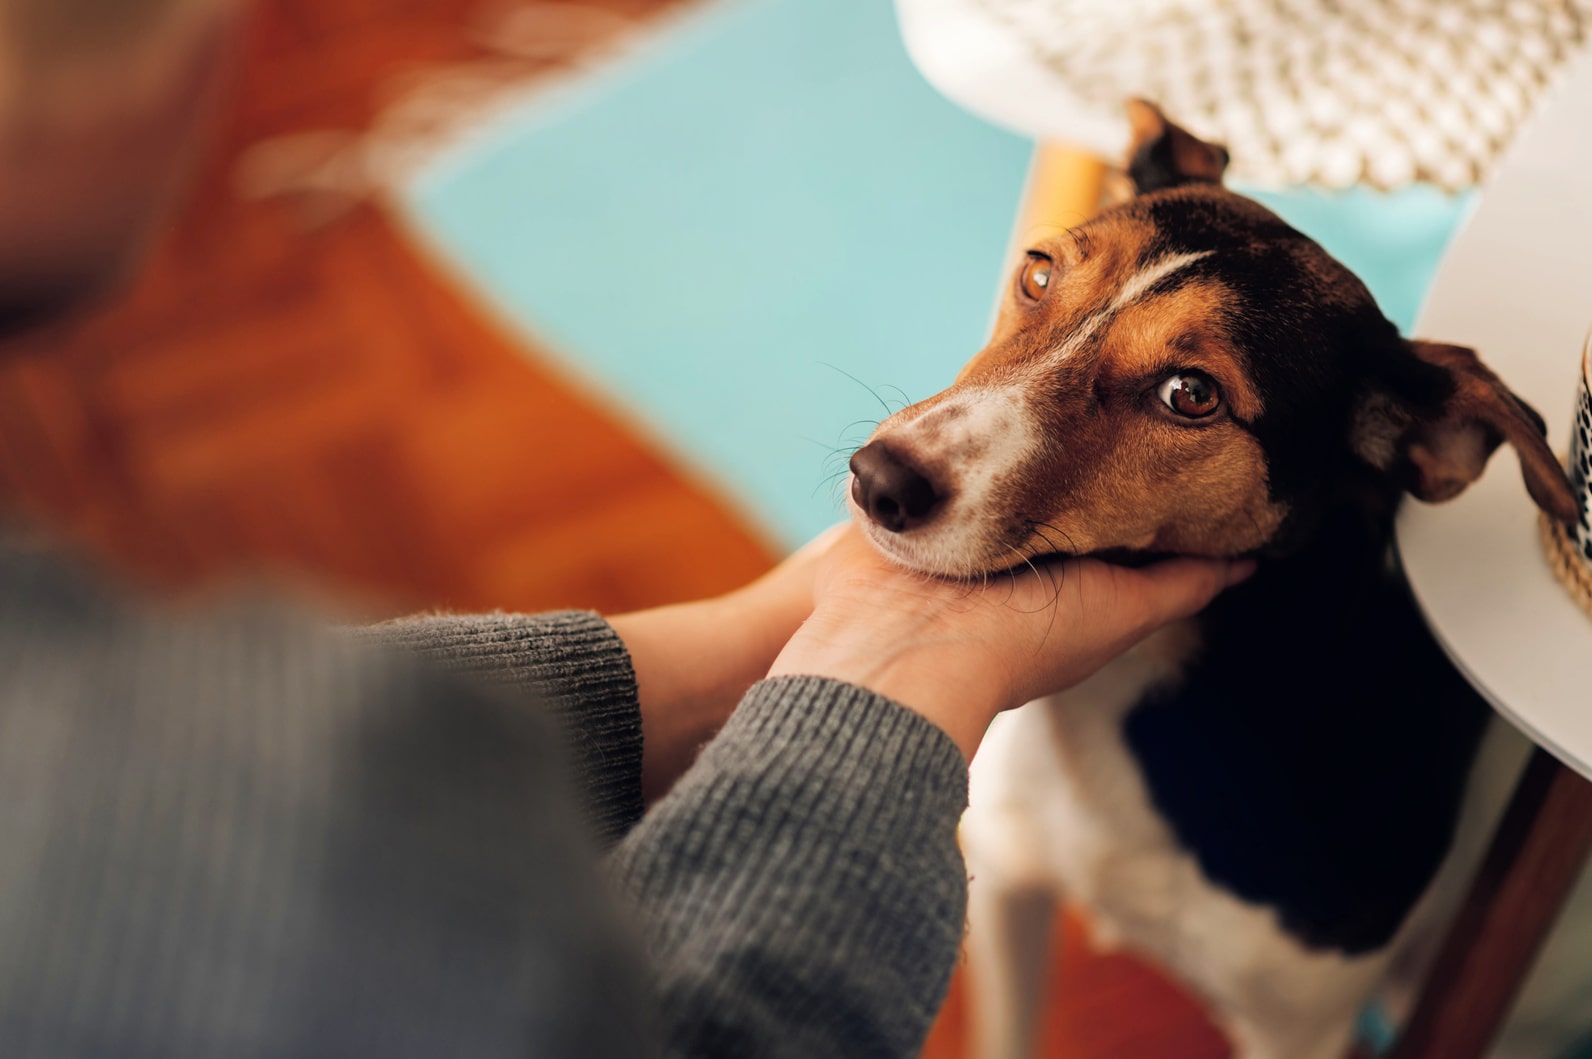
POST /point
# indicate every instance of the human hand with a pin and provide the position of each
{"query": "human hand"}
(960, 652)
(695, 660)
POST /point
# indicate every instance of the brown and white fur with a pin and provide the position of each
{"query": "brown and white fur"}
(1259, 799)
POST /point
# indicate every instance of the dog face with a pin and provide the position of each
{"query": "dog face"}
(1183, 374)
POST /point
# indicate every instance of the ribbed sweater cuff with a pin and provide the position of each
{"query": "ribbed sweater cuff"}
(816, 753)
(569, 661)
(835, 742)
(810, 854)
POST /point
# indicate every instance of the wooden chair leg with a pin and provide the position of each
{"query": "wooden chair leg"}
(1536, 857)
(1064, 188)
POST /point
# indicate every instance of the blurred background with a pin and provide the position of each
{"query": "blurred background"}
(290, 385)
(481, 305)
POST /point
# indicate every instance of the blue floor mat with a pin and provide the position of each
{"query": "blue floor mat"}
(767, 200)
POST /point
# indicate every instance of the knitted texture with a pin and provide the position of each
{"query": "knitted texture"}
(237, 834)
(233, 834)
(1333, 92)
(574, 661)
(789, 909)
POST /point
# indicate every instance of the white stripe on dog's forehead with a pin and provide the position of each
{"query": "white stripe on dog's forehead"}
(1152, 274)
(1130, 292)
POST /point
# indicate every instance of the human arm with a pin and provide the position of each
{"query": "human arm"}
(694, 661)
(800, 889)
(230, 833)
(636, 695)
(571, 664)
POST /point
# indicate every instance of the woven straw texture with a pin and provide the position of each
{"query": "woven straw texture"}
(1574, 572)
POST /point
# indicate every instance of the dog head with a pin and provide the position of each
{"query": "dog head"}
(1186, 374)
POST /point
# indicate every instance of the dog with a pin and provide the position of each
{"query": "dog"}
(1259, 799)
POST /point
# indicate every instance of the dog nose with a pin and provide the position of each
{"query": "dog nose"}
(894, 494)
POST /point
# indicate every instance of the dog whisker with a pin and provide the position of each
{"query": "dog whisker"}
(869, 423)
(906, 401)
(831, 482)
(1047, 572)
(838, 458)
(871, 391)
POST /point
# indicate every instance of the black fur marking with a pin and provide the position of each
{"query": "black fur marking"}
(1316, 759)
(1153, 166)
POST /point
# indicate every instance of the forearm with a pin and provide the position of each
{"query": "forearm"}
(639, 694)
(693, 663)
(572, 663)
(800, 889)
(960, 700)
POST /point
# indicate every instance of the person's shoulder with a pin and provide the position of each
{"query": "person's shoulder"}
(423, 856)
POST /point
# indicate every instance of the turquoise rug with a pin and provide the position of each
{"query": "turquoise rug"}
(765, 230)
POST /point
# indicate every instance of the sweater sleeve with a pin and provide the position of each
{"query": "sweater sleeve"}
(571, 662)
(231, 834)
(800, 890)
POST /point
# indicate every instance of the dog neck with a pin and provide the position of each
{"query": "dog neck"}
(1339, 544)
(1315, 675)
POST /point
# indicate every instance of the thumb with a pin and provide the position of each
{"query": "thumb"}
(1178, 588)
(823, 542)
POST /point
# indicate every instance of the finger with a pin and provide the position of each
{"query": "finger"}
(821, 543)
(804, 562)
(852, 550)
(792, 582)
(1178, 588)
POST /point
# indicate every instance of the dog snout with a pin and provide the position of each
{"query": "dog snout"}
(893, 493)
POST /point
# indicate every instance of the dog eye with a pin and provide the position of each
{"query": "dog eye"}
(1035, 276)
(1191, 394)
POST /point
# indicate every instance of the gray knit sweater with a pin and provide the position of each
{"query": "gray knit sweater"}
(243, 835)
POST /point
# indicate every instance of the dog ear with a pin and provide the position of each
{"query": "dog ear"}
(1164, 155)
(1436, 416)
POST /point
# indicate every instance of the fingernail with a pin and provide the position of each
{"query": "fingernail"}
(1238, 571)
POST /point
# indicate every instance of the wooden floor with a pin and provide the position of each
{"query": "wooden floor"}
(281, 394)
(314, 397)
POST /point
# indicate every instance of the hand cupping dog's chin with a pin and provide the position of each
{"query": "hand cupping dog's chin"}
(960, 652)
